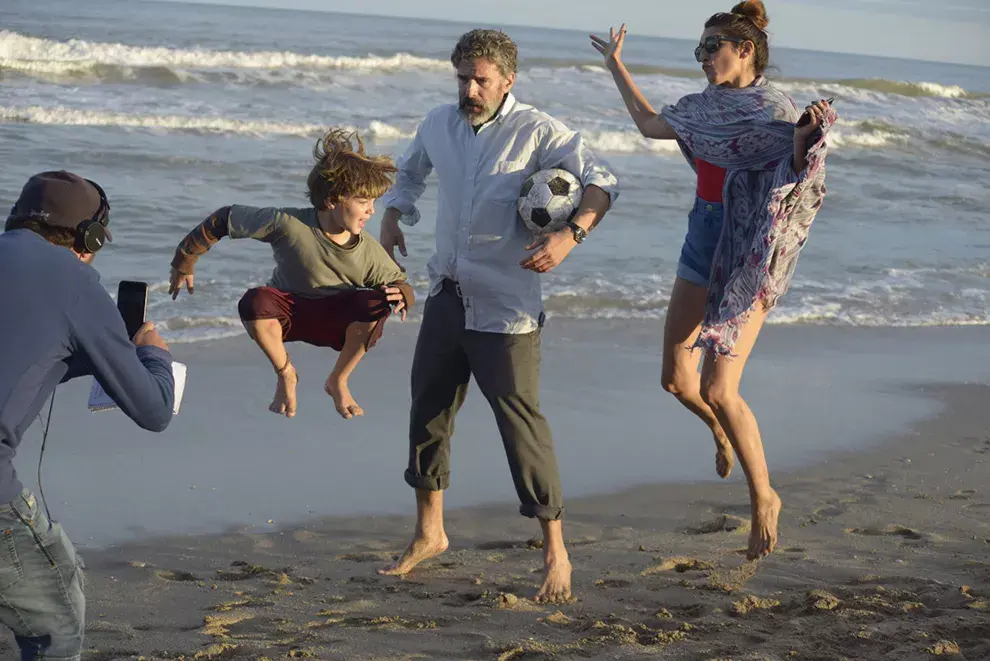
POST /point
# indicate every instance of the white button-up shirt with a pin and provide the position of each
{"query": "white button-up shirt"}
(480, 237)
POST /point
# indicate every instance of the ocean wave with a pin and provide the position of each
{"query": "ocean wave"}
(892, 298)
(880, 134)
(76, 56)
(162, 65)
(902, 88)
(868, 134)
(199, 329)
(627, 142)
(206, 328)
(60, 116)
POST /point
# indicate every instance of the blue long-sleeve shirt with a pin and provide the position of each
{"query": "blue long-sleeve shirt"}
(57, 322)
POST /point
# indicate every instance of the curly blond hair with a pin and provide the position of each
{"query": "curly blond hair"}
(343, 169)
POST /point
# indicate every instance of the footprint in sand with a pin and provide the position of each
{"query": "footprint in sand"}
(364, 557)
(679, 564)
(832, 509)
(499, 546)
(113, 628)
(724, 523)
(179, 576)
(393, 622)
(531, 544)
(503, 545)
(612, 583)
(890, 531)
(465, 598)
(112, 655)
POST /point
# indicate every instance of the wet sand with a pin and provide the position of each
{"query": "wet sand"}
(884, 549)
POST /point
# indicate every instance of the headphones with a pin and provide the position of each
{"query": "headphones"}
(91, 234)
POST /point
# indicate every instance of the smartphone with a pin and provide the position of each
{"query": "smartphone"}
(132, 303)
(806, 117)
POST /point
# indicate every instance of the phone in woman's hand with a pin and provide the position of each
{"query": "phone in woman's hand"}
(806, 117)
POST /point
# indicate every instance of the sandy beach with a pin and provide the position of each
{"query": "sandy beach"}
(884, 550)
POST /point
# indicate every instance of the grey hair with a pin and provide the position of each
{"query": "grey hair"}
(493, 45)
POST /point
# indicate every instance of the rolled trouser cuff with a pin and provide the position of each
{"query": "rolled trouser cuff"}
(428, 482)
(544, 512)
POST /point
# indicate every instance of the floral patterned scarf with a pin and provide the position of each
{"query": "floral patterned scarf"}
(768, 209)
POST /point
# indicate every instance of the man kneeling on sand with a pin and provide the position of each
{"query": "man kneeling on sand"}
(58, 324)
(333, 285)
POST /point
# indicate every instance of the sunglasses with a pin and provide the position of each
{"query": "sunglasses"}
(711, 44)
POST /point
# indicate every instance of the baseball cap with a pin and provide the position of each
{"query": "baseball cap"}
(63, 199)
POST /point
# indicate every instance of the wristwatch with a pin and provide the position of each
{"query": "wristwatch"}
(580, 234)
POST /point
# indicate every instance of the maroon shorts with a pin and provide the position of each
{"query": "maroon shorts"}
(321, 322)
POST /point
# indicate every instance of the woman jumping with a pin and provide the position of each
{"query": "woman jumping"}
(761, 180)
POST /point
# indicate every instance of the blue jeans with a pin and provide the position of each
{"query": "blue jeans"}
(704, 230)
(41, 583)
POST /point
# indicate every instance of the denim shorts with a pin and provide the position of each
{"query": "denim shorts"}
(41, 583)
(704, 230)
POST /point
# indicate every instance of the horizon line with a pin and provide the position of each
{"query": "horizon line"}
(234, 3)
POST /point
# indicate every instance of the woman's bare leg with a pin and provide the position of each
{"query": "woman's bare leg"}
(680, 364)
(720, 380)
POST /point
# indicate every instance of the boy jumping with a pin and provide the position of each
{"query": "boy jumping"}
(333, 285)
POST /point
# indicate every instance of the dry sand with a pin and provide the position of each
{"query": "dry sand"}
(883, 555)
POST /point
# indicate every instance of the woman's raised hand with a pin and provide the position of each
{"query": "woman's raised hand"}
(611, 50)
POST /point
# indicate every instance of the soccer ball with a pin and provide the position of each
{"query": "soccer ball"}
(548, 199)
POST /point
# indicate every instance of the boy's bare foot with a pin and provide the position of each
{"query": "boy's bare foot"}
(421, 548)
(285, 392)
(556, 588)
(725, 458)
(342, 400)
(763, 536)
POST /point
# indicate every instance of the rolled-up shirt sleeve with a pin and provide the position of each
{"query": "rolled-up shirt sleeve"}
(410, 181)
(563, 148)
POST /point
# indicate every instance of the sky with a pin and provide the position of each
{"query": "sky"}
(949, 31)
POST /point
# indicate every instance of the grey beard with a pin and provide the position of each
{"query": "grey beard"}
(478, 120)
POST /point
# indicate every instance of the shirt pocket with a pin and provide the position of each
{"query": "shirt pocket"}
(506, 179)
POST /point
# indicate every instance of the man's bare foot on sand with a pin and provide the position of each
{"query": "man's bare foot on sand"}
(725, 458)
(342, 400)
(556, 588)
(763, 536)
(285, 392)
(420, 548)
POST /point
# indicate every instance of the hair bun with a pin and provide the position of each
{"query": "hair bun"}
(754, 11)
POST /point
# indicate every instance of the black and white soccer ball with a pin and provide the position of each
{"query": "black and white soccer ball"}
(548, 199)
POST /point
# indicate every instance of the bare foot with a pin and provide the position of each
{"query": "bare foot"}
(420, 548)
(725, 458)
(763, 536)
(285, 392)
(342, 400)
(556, 588)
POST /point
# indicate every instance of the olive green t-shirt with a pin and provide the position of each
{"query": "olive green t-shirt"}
(307, 263)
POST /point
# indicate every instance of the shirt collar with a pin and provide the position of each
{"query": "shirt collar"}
(507, 106)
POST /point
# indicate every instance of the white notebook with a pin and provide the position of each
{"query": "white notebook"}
(99, 400)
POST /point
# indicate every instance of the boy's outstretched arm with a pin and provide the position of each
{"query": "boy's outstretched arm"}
(196, 243)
